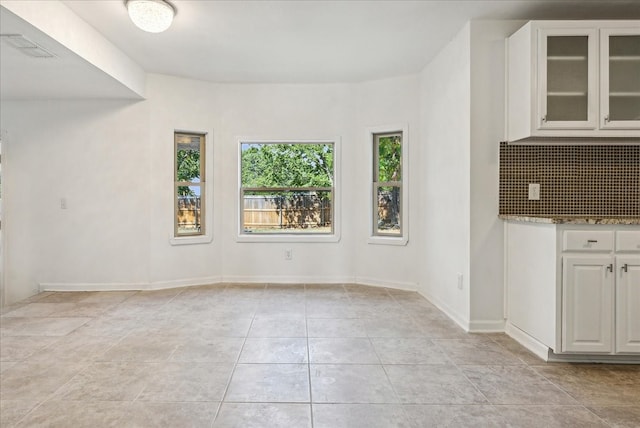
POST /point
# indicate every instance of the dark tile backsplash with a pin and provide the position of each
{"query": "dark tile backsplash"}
(597, 180)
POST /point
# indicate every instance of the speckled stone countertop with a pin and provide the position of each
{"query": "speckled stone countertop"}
(570, 219)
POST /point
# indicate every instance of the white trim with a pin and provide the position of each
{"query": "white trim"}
(505, 269)
(231, 279)
(193, 240)
(193, 282)
(487, 326)
(337, 194)
(115, 286)
(404, 198)
(453, 315)
(396, 285)
(538, 348)
(208, 192)
(137, 286)
(581, 358)
(293, 279)
(3, 219)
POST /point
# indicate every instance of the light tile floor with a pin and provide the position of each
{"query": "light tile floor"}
(289, 356)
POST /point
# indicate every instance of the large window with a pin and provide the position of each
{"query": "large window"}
(189, 184)
(287, 188)
(387, 194)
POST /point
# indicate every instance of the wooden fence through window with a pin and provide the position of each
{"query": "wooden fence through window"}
(288, 209)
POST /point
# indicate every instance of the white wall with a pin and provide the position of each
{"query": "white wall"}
(228, 112)
(95, 155)
(462, 116)
(487, 130)
(445, 162)
(388, 102)
(112, 162)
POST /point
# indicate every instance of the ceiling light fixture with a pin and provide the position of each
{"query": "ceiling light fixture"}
(153, 16)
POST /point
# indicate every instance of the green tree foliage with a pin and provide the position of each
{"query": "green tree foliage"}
(187, 169)
(287, 165)
(389, 170)
(389, 158)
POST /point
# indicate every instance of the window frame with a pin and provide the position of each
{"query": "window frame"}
(206, 196)
(241, 236)
(373, 134)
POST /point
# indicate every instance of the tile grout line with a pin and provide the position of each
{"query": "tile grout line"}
(235, 366)
(306, 325)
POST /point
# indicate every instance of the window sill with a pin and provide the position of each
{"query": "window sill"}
(190, 240)
(288, 238)
(388, 240)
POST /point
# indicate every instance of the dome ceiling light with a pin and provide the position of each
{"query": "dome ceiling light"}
(153, 16)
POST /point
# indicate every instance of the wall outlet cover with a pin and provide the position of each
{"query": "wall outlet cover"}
(534, 191)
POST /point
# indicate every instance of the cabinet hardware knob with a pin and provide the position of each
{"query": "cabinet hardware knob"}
(592, 241)
(606, 119)
(610, 268)
(544, 118)
(625, 267)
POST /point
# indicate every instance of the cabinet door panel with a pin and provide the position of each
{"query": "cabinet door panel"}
(628, 304)
(620, 78)
(587, 304)
(567, 76)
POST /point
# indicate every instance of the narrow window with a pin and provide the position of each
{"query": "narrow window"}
(387, 184)
(189, 184)
(287, 188)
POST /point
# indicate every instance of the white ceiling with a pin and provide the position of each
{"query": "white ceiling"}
(313, 41)
(272, 41)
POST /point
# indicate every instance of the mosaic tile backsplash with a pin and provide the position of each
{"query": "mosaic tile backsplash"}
(592, 180)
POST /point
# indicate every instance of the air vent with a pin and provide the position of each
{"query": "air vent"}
(26, 46)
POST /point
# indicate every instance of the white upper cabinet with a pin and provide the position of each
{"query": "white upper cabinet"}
(567, 95)
(620, 78)
(574, 79)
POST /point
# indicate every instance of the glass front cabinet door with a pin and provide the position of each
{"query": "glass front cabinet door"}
(567, 77)
(574, 79)
(620, 78)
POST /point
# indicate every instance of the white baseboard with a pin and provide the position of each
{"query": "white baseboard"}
(577, 358)
(487, 326)
(119, 286)
(114, 286)
(234, 279)
(457, 318)
(398, 285)
(529, 342)
(189, 282)
(283, 279)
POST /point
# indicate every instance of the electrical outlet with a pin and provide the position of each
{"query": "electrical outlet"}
(534, 191)
(460, 281)
(288, 254)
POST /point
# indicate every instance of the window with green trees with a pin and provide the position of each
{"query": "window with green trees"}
(287, 188)
(189, 184)
(387, 184)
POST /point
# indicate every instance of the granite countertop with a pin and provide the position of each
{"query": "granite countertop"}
(566, 219)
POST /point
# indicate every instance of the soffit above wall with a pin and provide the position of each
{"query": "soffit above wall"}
(67, 75)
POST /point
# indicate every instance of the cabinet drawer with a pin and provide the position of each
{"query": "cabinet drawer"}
(628, 240)
(588, 240)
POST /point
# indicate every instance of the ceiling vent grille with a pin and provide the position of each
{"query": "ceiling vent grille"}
(26, 46)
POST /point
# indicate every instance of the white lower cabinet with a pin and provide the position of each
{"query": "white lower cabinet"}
(628, 304)
(587, 304)
(575, 289)
(600, 291)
